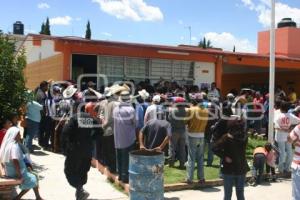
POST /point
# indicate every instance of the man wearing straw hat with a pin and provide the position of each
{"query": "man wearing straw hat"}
(109, 156)
(124, 133)
(141, 108)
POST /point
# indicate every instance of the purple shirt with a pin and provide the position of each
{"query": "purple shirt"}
(124, 125)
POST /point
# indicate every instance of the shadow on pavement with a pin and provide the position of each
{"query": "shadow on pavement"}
(172, 198)
(39, 153)
(38, 169)
(212, 189)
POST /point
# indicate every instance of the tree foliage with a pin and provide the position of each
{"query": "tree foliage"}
(45, 28)
(42, 28)
(88, 32)
(12, 81)
(205, 44)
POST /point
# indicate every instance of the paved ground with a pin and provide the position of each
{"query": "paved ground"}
(276, 191)
(53, 185)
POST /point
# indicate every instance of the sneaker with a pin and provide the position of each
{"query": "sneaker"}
(82, 195)
(188, 181)
(182, 167)
(201, 181)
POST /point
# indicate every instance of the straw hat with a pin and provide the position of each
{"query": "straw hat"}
(69, 92)
(117, 88)
(144, 94)
(98, 94)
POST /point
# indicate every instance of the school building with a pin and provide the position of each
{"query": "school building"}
(65, 58)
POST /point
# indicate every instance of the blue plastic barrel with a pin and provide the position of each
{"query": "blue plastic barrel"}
(146, 178)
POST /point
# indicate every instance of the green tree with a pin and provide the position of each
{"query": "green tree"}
(47, 27)
(12, 81)
(205, 44)
(233, 48)
(88, 32)
(42, 28)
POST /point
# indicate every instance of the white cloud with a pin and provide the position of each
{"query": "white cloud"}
(263, 10)
(181, 37)
(136, 10)
(227, 41)
(180, 22)
(106, 34)
(77, 19)
(66, 20)
(43, 6)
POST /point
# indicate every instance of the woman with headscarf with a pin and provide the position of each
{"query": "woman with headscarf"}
(231, 148)
(11, 157)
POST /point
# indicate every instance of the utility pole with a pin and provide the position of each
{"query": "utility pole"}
(272, 73)
(190, 31)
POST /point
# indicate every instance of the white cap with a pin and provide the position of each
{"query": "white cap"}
(156, 98)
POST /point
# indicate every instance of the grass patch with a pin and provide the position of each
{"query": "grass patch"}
(117, 187)
(176, 175)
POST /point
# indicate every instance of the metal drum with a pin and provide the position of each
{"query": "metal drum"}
(146, 179)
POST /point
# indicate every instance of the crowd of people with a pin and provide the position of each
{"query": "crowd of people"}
(179, 120)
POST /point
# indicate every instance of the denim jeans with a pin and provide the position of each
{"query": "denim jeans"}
(177, 145)
(123, 162)
(296, 183)
(285, 157)
(49, 131)
(210, 153)
(229, 181)
(259, 162)
(32, 131)
(195, 153)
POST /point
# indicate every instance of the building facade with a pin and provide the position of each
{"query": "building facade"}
(65, 58)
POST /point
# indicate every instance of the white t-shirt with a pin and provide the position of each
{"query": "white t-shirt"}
(15, 152)
(151, 113)
(295, 136)
(282, 124)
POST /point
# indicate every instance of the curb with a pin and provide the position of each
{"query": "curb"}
(113, 178)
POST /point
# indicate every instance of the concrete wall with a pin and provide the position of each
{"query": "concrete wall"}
(204, 73)
(37, 50)
(287, 42)
(48, 68)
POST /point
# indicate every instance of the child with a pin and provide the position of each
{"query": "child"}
(263, 156)
(271, 157)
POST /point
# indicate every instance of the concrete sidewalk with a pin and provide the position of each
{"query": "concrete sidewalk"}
(281, 190)
(54, 186)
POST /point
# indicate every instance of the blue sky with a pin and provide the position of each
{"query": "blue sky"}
(224, 22)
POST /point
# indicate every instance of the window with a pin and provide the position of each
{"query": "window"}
(161, 68)
(183, 70)
(111, 66)
(136, 68)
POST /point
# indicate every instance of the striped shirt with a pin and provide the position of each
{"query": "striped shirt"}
(295, 136)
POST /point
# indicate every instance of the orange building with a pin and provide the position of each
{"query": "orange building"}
(64, 58)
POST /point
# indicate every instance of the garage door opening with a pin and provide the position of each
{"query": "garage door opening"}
(84, 64)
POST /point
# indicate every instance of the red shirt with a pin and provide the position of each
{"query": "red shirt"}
(2, 134)
(89, 108)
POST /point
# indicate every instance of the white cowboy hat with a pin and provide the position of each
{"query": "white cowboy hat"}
(117, 88)
(69, 92)
(143, 94)
(98, 94)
